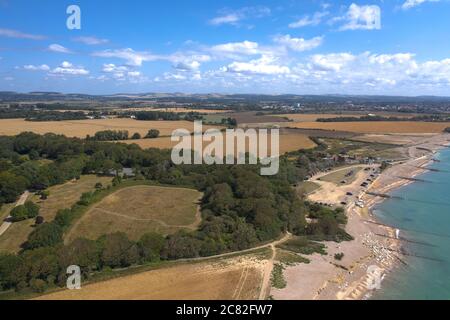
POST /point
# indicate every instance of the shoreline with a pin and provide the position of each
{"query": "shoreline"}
(375, 245)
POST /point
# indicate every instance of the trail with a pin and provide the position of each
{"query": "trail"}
(7, 223)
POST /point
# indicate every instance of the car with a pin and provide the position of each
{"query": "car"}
(349, 193)
(344, 203)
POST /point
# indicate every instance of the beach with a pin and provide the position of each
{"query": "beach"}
(375, 251)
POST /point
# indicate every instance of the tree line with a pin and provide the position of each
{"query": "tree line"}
(118, 135)
(424, 118)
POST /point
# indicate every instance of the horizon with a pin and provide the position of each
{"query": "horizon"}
(257, 47)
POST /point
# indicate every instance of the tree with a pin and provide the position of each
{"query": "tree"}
(152, 134)
(19, 213)
(11, 186)
(150, 246)
(136, 136)
(44, 194)
(81, 252)
(45, 235)
(32, 209)
(9, 265)
(39, 220)
(117, 250)
(98, 185)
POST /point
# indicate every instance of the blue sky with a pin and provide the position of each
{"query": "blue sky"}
(397, 47)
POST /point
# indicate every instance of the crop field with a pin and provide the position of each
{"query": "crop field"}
(412, 127)
(237, 278)
(140, 209)
(289, 141)
(81, 128)
(174, 110)
(61, 197)
(311, 117)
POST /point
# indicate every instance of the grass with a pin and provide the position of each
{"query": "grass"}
(140, 209)
(303, 246)
(278, 281)
(4, 211)
(61, 197)
(307, 187)
(361, 148)
(347, 174)
(289, 258)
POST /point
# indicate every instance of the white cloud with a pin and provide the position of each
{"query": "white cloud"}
(91, 41)
(234, 18)
(298, 44)
(58, 48)
(10, 33)
(408, 4)
(131, 57)
(245, 48)
(362, 18)
(313, 20)
(42, 67)
(67, 68)
(264, 65)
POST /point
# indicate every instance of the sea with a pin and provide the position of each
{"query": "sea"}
(421, 210)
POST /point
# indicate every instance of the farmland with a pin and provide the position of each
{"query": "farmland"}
(140, 209)
(289, 141)
(175, 110)
(61, 197)
(237, 278)
(311, 117)
(404, 127)
(81, 128)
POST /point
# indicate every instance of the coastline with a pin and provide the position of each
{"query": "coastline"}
(375, 244)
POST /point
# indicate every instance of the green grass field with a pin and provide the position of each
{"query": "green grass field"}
(361, 148)
(307, 187)
(341, 175)
(61, 197)
(140, 209)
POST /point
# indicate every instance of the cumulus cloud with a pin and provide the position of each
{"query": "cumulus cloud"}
(265, 65)
(58, 48)
(313, 20)
(121, 73)
(235, 18)
(366, 17)
(91, 41)
(298, 44)
(42, 67)
(10, 33)
(67, 68)
(133, 58)
(236, 48)
(408, 4)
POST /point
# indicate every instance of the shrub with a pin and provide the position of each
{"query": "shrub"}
(32, 209)
(339, 256)
(38, 285)
(152, 134)
(45, 235)
(19, 213)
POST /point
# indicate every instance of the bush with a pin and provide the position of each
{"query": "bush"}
(45, 235)
(19, 213)
(32, 209)
(136, 136)
(339, 256)
(39, 220)
(152, 134)
(38, 285)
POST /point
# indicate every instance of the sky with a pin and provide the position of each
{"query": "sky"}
(390, 47)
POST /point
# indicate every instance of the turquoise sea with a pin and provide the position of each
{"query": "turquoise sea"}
(423, 215)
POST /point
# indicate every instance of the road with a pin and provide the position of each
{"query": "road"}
(5, 226)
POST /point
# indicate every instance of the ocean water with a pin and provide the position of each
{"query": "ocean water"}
(423, 216)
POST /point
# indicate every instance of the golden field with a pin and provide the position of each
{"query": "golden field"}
(405, 127)
(81, 128)
(140, 209)
(237, 278)
(288, 142)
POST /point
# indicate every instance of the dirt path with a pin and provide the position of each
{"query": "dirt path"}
(5, 226)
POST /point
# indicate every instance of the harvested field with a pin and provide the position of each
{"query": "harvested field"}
(81, 128)
(310, 117)
(374, 127)
(236, 278)
(61, 197)
(246, 117)
(289, 141)
(138, 210)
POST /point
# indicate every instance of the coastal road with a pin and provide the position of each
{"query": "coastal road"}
(5, 226)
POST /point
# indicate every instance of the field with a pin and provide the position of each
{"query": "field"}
(61, 197)
(245, 117)
(289, 141)
(237, 278)
(137, 210)
(81, 128)
(341, 175)
(311, 117)
(412, 127)
(359, 147)
(174, 110)
(306, 187)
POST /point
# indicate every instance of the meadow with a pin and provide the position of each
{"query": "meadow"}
(138, 210)
(61, 197)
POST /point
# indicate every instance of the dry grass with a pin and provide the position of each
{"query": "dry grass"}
(290, 141)
(81, 128)
(137, 210)
(61, 197)
(338, 176)
(411, 127)
(231, 279)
